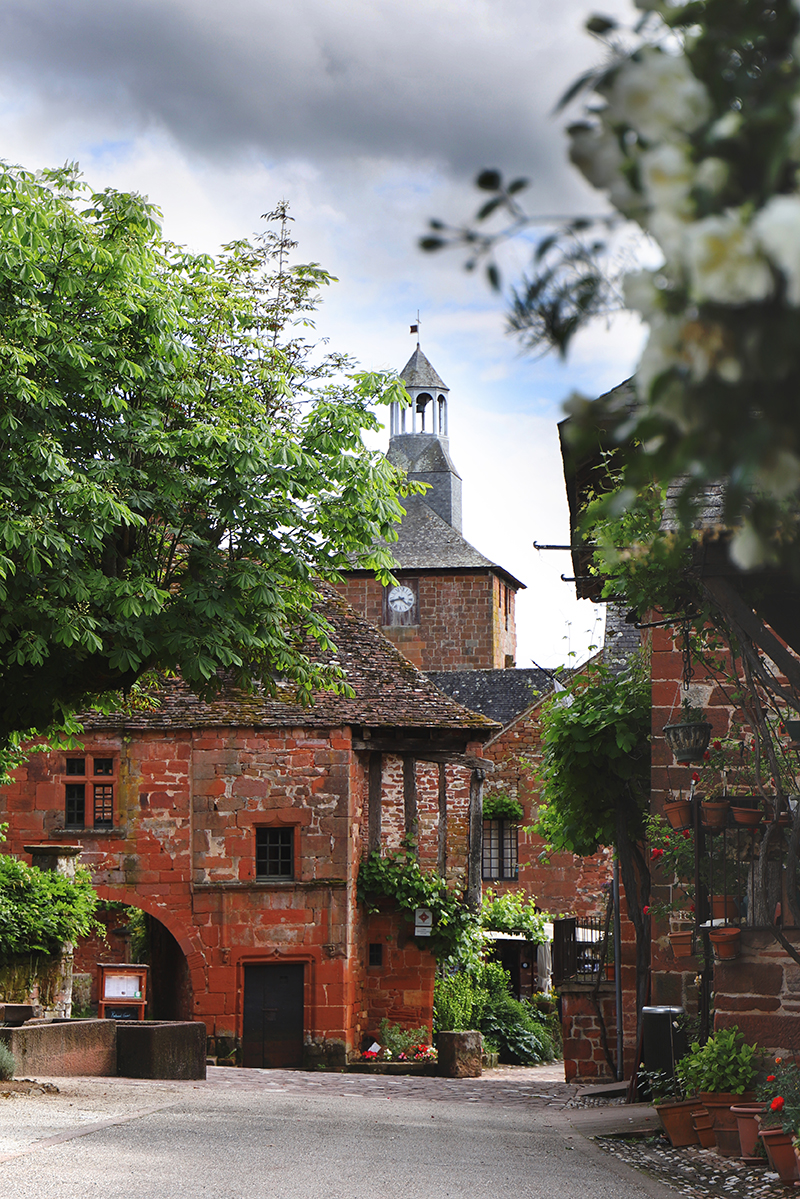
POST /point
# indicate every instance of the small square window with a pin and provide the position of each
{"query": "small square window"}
(274, 853)
(104, 766)
(76, 766)
(75, 805)
(376, 954)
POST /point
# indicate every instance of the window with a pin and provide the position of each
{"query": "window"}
(274, 853)
(376, 953)
(499, 860)
(102, 794)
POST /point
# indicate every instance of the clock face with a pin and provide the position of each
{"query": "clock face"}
(401, 599)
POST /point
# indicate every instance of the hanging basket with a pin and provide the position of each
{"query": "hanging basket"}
(688, 742)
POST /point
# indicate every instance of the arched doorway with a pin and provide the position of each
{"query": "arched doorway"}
(134, 935)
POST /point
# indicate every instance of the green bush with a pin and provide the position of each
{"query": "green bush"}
(723, 1064)
(516, 1029)
(402, 1040)
(7, 1063)
(40, 909)
(453, 1001)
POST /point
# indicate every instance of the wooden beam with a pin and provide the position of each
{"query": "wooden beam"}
(441, 856)
(410, 796)
(452, 758)
(374, 801)
(475, 856)
(750, 623)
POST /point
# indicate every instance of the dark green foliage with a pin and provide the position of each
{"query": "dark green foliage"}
(398, 876)
(7, 1064)
(595, 766)
(499, 806)
(40, 909)
(513, 912)
(482, 999)
(179, 466)
(725, 1063)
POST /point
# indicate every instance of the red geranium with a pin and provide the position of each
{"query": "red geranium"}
(655, 854)
(770, 1078)
(777, 1103)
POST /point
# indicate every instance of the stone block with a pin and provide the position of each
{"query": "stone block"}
(64, 1048)
(169, 1049)
(460, 1054)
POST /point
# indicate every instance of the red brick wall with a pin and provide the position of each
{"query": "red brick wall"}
(584, 1058)
(462, 620)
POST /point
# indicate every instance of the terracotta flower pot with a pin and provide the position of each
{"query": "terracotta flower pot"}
(723, 907)
(747, 817)
(726, 942)
(780, 1151)
(745, 1114)
(676, 1120)
(704, 1127)
(679, 813)
(682, 944)
(715, 814)
(726, 1130)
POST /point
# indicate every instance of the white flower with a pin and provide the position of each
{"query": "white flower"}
(596, 154)
(777, 228)
(723, 261)
(658, 96)
(712, 174)
(660, 353)
(726, 127)
(668, 177)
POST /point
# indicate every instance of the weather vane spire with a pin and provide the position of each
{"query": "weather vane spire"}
(415, 328)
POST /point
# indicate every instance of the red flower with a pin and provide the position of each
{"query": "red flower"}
(655, 854)
(687, 834)
(777, 1103)
(691, 907)
(707, 756)
(695, 777)
(646, 910)
(770, 1078)
(716, 744)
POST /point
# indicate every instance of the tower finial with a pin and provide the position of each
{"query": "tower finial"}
(415, 328)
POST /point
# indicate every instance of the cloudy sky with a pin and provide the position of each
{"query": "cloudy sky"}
(369, 117)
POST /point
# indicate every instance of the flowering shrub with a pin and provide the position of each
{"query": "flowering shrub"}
(781, 1093)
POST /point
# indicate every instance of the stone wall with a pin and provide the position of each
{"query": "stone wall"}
(584, 1057)
(760, 992)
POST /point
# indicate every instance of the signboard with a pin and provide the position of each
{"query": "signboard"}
(423, 922)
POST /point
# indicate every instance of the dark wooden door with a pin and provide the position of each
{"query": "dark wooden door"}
(272, 1037)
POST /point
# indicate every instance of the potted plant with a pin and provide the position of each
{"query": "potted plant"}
(780, 1095)
(678, 812)
(720, 1073)
(688, 738)
(726, 940)
(674, 1109)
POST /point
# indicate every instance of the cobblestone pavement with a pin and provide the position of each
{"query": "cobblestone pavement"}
(694, 1172)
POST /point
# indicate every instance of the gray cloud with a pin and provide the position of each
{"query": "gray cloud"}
(465, 83)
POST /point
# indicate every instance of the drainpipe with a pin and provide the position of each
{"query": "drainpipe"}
(618, 973)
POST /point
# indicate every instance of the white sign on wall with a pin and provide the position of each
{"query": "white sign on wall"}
(423, 922)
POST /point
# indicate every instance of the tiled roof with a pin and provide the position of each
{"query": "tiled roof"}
(426, 542)
(389, 692)
(500, 694)
(418, 372)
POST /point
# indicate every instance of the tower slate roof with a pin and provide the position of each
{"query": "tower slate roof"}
(426, 542)
(418, 372)
(389, 692)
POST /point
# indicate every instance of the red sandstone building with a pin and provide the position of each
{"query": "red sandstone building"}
(238, 826)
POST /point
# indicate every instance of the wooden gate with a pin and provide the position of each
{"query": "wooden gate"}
(272, 1036)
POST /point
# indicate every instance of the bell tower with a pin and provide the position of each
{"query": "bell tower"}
(418, 438)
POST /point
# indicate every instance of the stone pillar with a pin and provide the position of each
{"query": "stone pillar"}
(53, 990)
(474, 862)
(460, 1054)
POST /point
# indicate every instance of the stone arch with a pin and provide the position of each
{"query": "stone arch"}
(187, 938)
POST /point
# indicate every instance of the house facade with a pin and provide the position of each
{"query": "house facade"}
(238, 825)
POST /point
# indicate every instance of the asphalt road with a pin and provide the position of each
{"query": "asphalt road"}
(247, 1134)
